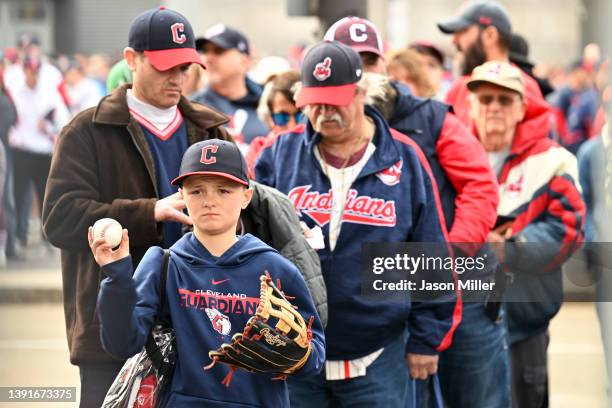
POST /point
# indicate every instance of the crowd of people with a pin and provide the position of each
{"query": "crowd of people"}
(352, 143)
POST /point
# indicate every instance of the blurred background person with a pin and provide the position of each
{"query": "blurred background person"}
(83, 92)
(41, 115)
(519, 55)
(362, 36)
(277, 109)
(575, 107)
(406, 67)
(229, 90)
(118, 75)
(268, 68)
(595, 171)
(50, 76)
(591, 55)
(97, 67)
(277, 105)
(194, 80)
(8, 117)
(432, 59)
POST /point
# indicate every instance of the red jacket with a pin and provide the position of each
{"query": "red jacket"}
(467, 167)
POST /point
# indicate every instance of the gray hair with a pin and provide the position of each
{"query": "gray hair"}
(374, 86)
(263, 111)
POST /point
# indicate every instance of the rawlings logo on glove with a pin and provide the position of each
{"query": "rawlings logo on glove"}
(275, 340)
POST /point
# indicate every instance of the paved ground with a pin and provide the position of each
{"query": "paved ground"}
(576, 360)
(33, 347)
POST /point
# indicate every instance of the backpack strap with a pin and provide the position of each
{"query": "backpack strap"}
(151, 345)
(163, 277)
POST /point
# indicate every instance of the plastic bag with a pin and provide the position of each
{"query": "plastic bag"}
(145, 376)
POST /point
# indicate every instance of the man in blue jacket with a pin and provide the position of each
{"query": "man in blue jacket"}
(348, 173)
(229, 90)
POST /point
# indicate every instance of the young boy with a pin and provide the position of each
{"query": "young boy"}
(212, 288)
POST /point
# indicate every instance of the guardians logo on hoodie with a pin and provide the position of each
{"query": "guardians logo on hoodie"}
(225, 303)
(220, 322)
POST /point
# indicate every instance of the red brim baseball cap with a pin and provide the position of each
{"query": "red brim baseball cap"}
(340, 95)
(330, 72)
(213, 157)
(178, 181)
(164, 60)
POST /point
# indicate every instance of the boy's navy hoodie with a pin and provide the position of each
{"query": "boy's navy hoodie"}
(209, 300)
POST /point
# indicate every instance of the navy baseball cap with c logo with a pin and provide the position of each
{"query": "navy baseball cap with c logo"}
(214, 157)
(165, 37)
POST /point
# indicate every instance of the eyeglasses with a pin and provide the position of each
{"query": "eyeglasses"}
(282, 118)
(503, 100)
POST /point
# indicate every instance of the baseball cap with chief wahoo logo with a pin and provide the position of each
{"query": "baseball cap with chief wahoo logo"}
(213, 157)
(165, 37)
(358, 33)
(330, 73)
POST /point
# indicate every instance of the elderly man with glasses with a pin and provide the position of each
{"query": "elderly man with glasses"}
(540, 217)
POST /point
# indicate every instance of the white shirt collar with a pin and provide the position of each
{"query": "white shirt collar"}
(160, 118)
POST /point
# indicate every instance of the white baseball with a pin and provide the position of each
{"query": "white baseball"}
(108, 229)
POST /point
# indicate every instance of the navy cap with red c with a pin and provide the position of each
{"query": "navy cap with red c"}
(214, 157)
(165, 37)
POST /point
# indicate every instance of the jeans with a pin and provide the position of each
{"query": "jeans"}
(475, 371)
(8, 203)
(29, 169)
(96, 379)
(385, 384)
(529, 363)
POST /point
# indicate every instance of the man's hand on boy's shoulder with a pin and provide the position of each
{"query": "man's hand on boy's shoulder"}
(104, 253)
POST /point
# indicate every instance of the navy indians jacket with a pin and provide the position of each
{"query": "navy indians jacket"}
(209, 299)
(392, 200)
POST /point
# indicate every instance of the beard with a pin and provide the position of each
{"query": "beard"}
(473, 57)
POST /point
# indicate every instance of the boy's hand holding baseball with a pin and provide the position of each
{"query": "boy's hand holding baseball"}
(103, 252)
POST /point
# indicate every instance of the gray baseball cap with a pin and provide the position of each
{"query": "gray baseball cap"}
(485, 14)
